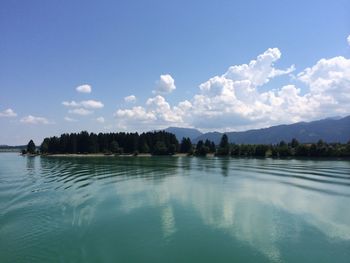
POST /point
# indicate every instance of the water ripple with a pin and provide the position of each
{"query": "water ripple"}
(49, 205)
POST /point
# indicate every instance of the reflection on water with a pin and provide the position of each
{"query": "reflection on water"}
(30, 163)
(168, 221)
(246, 208)
(264, 204)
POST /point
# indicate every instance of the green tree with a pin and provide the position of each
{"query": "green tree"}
(294, 143)
(224, 146)
(201, 149)
(313, 150)
(31, 147)
(235, 151)
(283, 150)
(114, 147)
(347, 150)
(143, 146)
(83, 142)
(44, 147)
(210, 145)
(261, 149)
(186, 145)
(302, 150)
(160, 148)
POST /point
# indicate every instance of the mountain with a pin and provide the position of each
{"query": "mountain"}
(184, 132)
(329, 130)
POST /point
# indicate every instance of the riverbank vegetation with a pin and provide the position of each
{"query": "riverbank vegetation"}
(156, 143)
(30, 149)
(165, 143)
(292, 149)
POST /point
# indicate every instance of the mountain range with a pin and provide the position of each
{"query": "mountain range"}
(191, 133)
(329, 130)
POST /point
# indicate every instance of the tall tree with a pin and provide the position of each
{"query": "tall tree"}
(224, 146)
(44, 147)
(201, 149)
(31, 147)
(114, 147)
(186, 145)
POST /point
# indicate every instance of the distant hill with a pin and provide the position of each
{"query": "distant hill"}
(7, 148)
(184, 132)
(329, 130)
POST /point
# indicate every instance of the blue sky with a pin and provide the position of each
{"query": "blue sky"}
(219, 65)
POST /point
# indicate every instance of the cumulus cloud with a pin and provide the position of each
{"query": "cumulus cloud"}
(92, 104)
(34, 120)
(135, 114)
(161, 108)
(8, 113)
(259, 71)
(239, 99)
(84, 88)
(348, 39)
(88, 104)
(165, 85)
(100, 119)
(234, 100)
(156, 114)
(70, 104)
(80, 111)
(329, 84)
(130, 98)
(84, 107)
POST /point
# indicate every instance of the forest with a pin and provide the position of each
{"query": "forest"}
(157, 143)
(165, 143)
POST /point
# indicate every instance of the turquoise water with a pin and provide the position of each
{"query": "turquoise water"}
(173, 209)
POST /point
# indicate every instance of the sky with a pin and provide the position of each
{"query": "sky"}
(109, 66)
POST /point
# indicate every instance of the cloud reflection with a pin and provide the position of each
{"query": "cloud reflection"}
(252, 210)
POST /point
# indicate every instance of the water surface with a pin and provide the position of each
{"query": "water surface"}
(173, 209)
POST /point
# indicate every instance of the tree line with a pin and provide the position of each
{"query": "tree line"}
(279, 150)
(291, 149)
(165, 143)
(158, 143)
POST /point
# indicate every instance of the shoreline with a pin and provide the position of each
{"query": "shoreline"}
(112, 155)
(211, 155)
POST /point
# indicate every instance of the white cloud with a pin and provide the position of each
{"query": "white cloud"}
(71, 104)
(92, 104)
(100, 119)
(130, 98)
(236, 101)
(259, 71)
(88, 104)
(232, 211)
(233, 100)
(84, 107)
(161, 108)
(165, 84)
(8, 113)
(135, 114)
(84, 88)
(329, 84)
(156, 114)
(69, 119)
(34, 120)
(348, 39)
(80, 111)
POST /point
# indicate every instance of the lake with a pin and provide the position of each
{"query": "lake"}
(173, 209)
